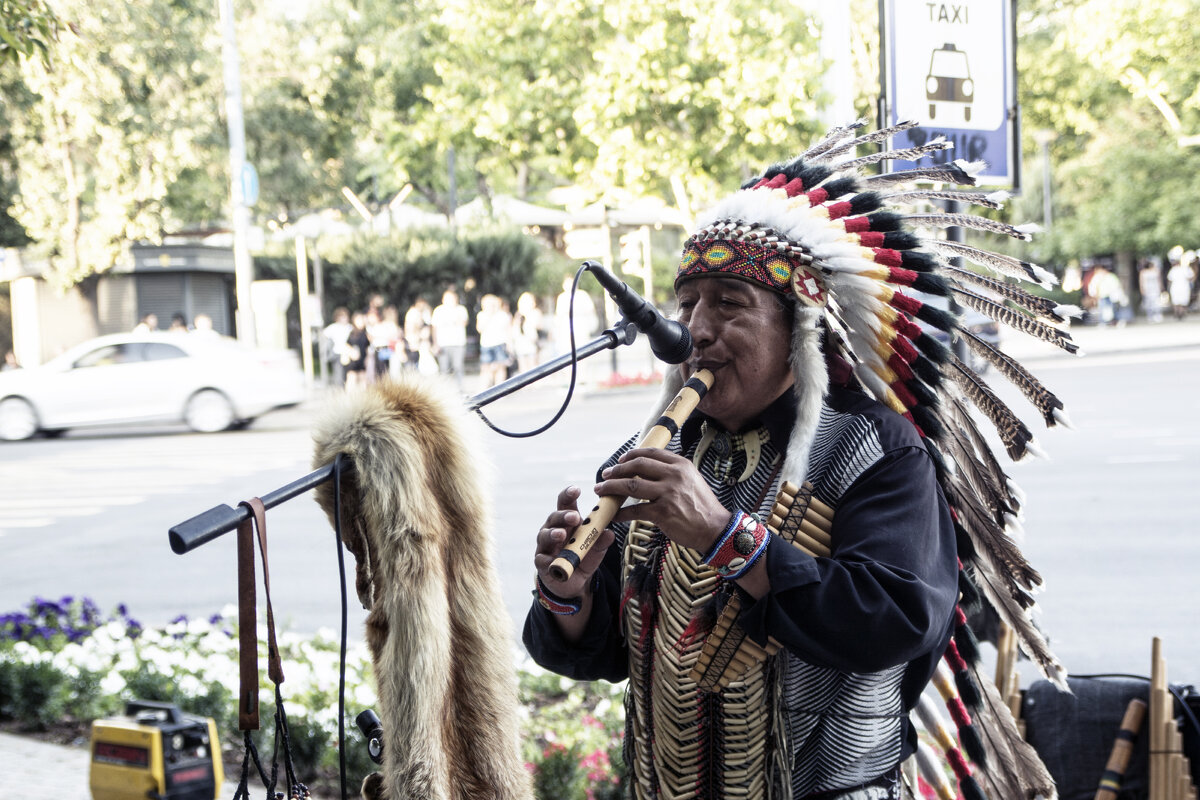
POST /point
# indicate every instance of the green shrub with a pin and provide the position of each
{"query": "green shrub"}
(39, 694)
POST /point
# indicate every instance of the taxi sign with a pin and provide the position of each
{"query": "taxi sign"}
(950, 66)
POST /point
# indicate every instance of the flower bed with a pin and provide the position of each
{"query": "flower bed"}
(64, 663)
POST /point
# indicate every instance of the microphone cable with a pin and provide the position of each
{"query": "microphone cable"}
(562, 409)
(337, 538)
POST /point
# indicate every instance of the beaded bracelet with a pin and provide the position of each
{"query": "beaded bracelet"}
(553, 603)
(739, 547)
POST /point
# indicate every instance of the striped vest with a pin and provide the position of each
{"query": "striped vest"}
(786, 728)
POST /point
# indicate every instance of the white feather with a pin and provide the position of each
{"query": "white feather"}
(1046, 279)
(972, 168)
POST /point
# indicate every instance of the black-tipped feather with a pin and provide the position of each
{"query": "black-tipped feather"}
(968, 645)
(1045, 401)
(997, 262)
(972, 745)
(1039, 306)
(885, 221)
(969, 221)
(871, 138)
(903, 154)
(919, 261)
(929, 283)
(865, 203)
(1016, 320)
(947, 173)
(1013, 432)
(942, 320)
(983, 199)
(1013, 770)
(901, 240)
(840, 186)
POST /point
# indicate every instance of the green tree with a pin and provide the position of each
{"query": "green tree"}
(27, 27)
(1114, 83)
(119, 113)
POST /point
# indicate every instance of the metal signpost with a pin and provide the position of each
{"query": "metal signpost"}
(951, 66)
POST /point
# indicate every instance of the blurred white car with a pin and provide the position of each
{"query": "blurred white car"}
(208, 381)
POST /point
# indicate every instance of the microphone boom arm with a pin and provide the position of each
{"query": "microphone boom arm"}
(218, 520)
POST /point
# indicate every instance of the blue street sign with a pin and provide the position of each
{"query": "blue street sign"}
(949, 65)
(249, 184)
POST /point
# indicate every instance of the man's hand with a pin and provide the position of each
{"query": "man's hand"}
(679, 502)
(553, 537)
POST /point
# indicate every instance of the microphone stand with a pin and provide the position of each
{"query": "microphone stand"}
(218, 520)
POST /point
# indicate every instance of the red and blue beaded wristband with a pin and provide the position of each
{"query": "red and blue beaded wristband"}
(739, 548)
(548, 600)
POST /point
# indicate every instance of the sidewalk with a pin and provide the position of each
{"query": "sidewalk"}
(1094, 340)
(33, 769)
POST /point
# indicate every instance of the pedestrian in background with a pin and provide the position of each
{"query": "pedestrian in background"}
(1179, 285)
(586, 319)
(336, 333)
(354, 355)
(527, 332)
(448, 323)
(416, 330)
(494, 325)
(387, 341)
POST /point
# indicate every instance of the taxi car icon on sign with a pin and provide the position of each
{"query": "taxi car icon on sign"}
(949, 81)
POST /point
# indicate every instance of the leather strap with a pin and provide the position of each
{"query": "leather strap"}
(248, 616)
(274, 663)
(247, 630)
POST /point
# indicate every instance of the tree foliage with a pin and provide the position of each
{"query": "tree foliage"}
(27, 28)
(1112, 83)
(118, 132)
(118, 113)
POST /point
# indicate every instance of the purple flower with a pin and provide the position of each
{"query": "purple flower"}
(122, 611)
(181, 618)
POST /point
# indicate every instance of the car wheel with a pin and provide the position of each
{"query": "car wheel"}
(18, 420)
(208, 411)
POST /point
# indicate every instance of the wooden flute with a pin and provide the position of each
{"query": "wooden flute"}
(580, 540)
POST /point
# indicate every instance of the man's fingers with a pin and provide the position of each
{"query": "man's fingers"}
(567, 499)
(551, 540)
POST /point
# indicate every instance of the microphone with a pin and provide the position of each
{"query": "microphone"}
(669, 340)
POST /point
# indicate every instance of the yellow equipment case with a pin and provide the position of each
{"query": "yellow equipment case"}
(155, 751)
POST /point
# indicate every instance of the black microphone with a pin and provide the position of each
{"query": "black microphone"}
(669, 340)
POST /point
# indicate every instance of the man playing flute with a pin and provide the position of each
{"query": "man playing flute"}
(793, 290)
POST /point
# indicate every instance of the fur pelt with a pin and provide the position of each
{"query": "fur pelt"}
(415, 515)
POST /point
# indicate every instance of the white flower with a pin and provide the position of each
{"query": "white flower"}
(112, 684)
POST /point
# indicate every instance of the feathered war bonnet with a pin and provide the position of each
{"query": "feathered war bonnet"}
(857, 254)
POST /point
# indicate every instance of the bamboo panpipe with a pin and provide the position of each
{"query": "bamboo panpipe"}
(1170, 770)
(1118, 760)
(1158, 743)
(580, 540)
